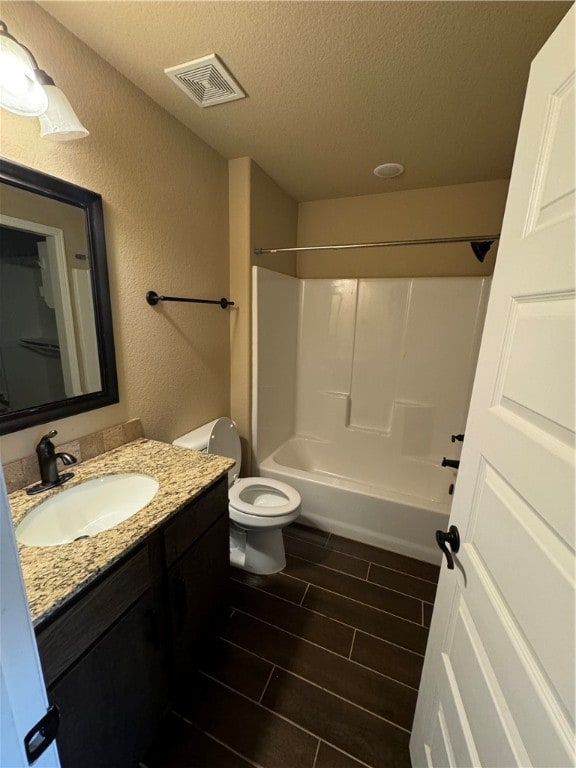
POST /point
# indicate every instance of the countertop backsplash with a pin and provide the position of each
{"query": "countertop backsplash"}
(24, 472)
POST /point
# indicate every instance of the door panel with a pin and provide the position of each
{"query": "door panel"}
(456, 727)
(440, 751)
(536, 553)
(555, 180)
(541, 330)
(546, 464)
(493, 731)
(529, 698)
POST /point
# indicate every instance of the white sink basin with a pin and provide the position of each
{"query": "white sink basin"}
(86, 509)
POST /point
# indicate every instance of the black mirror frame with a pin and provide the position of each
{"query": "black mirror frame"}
(91, 202)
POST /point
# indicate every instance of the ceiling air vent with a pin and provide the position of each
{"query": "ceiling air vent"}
(206, 80)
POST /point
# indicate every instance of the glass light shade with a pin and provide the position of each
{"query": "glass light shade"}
(59, 122)
(20, 92)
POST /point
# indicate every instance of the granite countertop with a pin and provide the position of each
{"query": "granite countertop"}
(54, 574)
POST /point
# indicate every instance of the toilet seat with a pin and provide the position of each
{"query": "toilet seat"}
(258, 507)
(263, 497)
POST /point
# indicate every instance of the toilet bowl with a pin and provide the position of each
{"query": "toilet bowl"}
(259, 507)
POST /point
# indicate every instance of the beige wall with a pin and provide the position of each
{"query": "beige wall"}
(165, 211)
(274, 222)
(463, 209)
(260, 212)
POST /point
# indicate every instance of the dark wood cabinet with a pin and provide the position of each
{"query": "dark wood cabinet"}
(111, 658)
(111, 700)
(69, 635)
(198, 597)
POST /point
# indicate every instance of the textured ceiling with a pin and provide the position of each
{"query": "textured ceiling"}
(336, 88)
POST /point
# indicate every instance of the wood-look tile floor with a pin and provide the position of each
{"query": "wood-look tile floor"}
(318, 666)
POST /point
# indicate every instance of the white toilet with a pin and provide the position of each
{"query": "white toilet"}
(259, 507)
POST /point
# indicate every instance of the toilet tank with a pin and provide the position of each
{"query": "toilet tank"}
(219, 437)
(197, 439)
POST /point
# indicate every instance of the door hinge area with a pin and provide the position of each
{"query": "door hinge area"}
(41, 735)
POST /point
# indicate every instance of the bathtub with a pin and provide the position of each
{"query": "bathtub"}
(394, 504)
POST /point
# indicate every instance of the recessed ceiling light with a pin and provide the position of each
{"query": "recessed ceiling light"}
(389, 170)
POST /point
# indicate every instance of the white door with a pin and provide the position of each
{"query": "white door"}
(498, 680)
(23, 699)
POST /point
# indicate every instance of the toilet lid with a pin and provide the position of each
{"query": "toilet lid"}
(224, 441)
(263, 496)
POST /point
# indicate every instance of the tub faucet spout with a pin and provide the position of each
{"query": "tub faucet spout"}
(454, 463)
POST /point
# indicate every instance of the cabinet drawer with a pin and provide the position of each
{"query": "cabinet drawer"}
(61, 643)
(194, 519)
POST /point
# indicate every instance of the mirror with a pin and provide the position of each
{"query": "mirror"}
(56, 341)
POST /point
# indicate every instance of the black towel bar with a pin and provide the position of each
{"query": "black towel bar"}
(153, 298)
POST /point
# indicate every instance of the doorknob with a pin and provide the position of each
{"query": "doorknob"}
(452, 538)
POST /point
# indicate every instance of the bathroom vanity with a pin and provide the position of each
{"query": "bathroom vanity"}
(121, 617)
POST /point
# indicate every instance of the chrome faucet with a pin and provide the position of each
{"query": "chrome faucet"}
(47, 458)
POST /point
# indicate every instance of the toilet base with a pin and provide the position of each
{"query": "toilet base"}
(258, 551)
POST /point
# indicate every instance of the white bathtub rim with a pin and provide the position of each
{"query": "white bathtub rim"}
(347, 484)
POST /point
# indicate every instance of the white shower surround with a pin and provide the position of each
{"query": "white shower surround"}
(357, 387)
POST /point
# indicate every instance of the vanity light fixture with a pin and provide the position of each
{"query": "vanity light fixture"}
(20, 92)
(59, 122)
(29, 91)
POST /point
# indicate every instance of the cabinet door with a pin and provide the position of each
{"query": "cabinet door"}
(198, 587)
(112, 699)
(194, 519)
(80, 625)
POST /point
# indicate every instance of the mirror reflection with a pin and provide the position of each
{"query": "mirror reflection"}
(56, 357)
(48, 347)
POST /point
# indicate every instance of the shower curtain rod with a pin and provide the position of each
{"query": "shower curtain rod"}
(480, 245)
